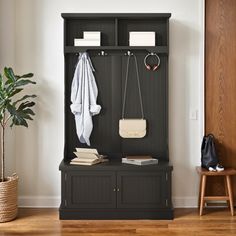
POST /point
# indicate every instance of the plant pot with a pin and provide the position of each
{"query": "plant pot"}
(8, 199)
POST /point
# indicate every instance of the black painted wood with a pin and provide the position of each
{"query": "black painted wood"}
(116, 49)
(114, 190)
(157, 16)
(115, 165)
(110, 76)
(141, 190)
(114, 214)
(91, 189)
(105, 136)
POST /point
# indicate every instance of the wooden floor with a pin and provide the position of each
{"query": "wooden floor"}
(32, 222)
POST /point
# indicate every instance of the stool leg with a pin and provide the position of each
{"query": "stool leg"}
(203, 187)
(199, 195)
(226, 190)
(230, 194)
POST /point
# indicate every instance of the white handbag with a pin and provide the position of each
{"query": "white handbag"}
(132, 128)
(136, 127)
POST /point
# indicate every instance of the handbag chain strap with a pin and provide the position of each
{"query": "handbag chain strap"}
(139, 89)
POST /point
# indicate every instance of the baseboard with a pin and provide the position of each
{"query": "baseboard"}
(185, 202)
(54, 202)
(39, 201)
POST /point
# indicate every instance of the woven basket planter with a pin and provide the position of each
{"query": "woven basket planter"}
(8, 199)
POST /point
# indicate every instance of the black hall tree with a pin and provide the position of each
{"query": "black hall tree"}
(114, 190)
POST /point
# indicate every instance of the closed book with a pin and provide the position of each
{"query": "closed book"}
(85, 163)
(84, 159)
(86, 155)
(89, 150)
(140, 162)
(139, 157)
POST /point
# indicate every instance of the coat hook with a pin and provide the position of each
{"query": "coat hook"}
(129, 53)
(102, 53)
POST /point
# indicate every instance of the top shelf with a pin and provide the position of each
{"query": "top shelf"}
(115, 30)
(115, 15)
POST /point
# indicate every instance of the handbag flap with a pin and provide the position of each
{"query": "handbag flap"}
(132, 125)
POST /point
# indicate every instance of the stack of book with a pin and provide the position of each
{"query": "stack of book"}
(90, 38)
(87, 157)
(140, 160)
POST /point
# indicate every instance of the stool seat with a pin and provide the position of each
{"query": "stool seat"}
(203, 171)
(227, 173)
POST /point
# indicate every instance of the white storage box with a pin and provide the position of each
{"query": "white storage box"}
(92, 35)
(145, 38)
(87, 42)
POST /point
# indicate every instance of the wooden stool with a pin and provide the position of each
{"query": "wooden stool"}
(228, 188)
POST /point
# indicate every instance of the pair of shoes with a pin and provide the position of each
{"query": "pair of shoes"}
(218, 167)
(212, 169)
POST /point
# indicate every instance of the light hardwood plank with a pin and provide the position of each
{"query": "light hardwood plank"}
(31, 222)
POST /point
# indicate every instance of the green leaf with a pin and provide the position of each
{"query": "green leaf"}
(8, 72)
(9, 82)
(22, 82)
(23, 122)
(23, 98)
(11, 109)
(9, 89)
(2, 101)
(1, 82)
(28, 117)
(26, 104)
(19, 122)
(29, 111)
(29, 75)
(2, 94)
(15, 92)
(19, 114)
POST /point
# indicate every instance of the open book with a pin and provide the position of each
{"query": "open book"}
(87, 156)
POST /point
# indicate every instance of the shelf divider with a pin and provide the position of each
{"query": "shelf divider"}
(116, 32)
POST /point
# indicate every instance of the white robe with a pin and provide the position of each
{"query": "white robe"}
(83, 97)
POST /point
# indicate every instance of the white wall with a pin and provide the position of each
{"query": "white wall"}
(39, 49)
(7, 58)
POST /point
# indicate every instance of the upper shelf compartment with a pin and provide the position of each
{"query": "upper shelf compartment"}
(76, 27)
(141, 24)
(115, 30)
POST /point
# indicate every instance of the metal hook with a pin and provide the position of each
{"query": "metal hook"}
(102, 53)
(129, 53)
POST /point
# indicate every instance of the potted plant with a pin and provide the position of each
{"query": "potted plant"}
(14, 110)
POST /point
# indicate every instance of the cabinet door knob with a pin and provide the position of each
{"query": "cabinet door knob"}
(114, 189)
(118, 190)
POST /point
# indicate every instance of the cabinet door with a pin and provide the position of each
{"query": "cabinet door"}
(91, 189)
(141, 190)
